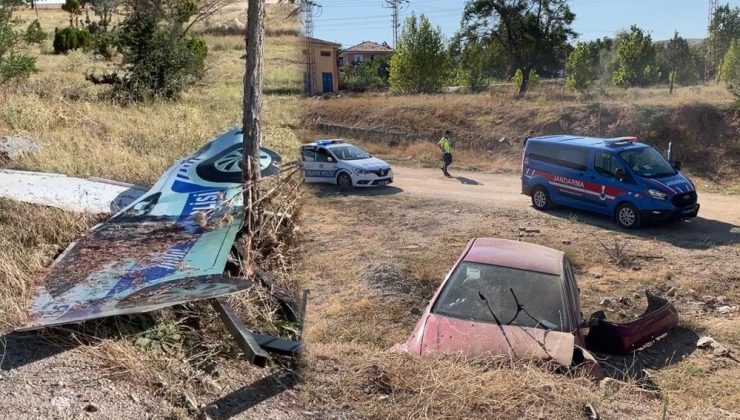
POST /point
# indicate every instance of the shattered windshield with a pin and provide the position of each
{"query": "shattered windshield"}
(484, 293)
(349, 153)
(648, 162)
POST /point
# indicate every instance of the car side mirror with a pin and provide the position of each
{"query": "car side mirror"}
(677, 165)
(620, 174)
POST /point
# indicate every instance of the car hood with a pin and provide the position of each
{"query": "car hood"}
(372, 164)
(674, 184)
(444, 335)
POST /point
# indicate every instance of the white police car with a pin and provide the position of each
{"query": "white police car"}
(342, 164)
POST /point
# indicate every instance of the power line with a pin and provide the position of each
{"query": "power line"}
(309, 9)
(395, 5)
(711, 54)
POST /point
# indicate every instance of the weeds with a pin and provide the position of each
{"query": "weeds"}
(617, 251)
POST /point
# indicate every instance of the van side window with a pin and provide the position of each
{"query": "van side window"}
(568, 157)
(322, 156)
(606, 164)
(309, 154)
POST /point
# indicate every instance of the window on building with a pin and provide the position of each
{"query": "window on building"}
(359, 58)
(326, 53)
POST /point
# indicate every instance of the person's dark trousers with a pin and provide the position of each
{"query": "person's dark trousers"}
(448, 161)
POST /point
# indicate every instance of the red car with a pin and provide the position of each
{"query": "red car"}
(519, 299)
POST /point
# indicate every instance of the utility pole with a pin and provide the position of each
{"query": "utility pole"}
(251, 130)
(309, 9)
(710, 58)
(395, 6)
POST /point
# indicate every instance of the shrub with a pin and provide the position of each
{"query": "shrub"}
(534, 79)
(34, 33)
(71, 38)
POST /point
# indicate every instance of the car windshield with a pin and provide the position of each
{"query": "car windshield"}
(516, 297)
(349, 152)
(647, 162)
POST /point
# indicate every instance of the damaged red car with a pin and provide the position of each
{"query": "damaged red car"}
(521, 300)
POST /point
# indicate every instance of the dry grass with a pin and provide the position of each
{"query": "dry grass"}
(88, 137)
(30, 237)
(352, 323)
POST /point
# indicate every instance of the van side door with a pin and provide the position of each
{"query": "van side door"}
(607, 167)
(567, 167)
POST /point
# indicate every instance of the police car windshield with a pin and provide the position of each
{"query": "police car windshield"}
(517, 297)
(349, 152)
(647, 162)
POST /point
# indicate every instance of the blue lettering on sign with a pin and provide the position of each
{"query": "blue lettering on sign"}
(320, 174)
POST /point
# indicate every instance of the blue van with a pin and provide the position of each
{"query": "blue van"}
(620, 177)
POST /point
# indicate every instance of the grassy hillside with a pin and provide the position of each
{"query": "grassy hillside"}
(83, 135)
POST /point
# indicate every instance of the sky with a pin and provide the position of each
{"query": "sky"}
(349, 22)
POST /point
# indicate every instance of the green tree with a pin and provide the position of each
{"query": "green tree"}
(34, 34)
(420, 63)
(580, 68)
(160, 59)
(372, 74)
(532, 33)
(74, 9)
(14, 62)
(679, 61)
(730, 71)
(104, 9)
(478, 62)
(723, 29)
(635, 59)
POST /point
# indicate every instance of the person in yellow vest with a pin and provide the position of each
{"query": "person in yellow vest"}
(446, 147)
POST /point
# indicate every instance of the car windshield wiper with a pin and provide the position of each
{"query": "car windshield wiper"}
(495, 318)
(520, 308)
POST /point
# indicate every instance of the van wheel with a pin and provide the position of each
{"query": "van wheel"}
(541, 198)
(627, 216)
(344, 182)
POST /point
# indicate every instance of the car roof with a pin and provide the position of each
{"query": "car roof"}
(600, 143)
(515, 254)
(327, 143)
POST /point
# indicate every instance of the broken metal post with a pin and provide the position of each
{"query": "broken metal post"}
(244, 338)
(302, 315)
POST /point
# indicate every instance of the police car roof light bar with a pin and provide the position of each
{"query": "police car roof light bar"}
(326, 142)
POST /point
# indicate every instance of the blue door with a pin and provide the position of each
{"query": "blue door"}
(328, 82)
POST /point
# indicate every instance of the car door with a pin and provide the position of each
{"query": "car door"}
(609, 187)
(325, 166)
(309, 163)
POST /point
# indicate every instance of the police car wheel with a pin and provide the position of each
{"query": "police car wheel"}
(541, 198)
(627, 216)
(344, 182)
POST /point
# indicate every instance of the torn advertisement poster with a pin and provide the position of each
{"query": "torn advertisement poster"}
(91, 195)
(168, 247)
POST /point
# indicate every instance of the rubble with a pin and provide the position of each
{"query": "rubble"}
(709, 343)
(13, 148)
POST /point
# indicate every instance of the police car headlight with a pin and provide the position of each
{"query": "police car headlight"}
(360, 171)
(660, 195)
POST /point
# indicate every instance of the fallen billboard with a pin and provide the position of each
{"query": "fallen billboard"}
(168, 247)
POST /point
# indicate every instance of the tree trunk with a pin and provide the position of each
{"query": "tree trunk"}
(671, 78)
(525, 82)
(251, 113)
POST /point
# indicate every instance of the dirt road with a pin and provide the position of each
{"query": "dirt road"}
(719, 214)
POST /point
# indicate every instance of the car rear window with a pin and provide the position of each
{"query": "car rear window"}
(523, 298)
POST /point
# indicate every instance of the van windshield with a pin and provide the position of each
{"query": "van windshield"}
(648, 162)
